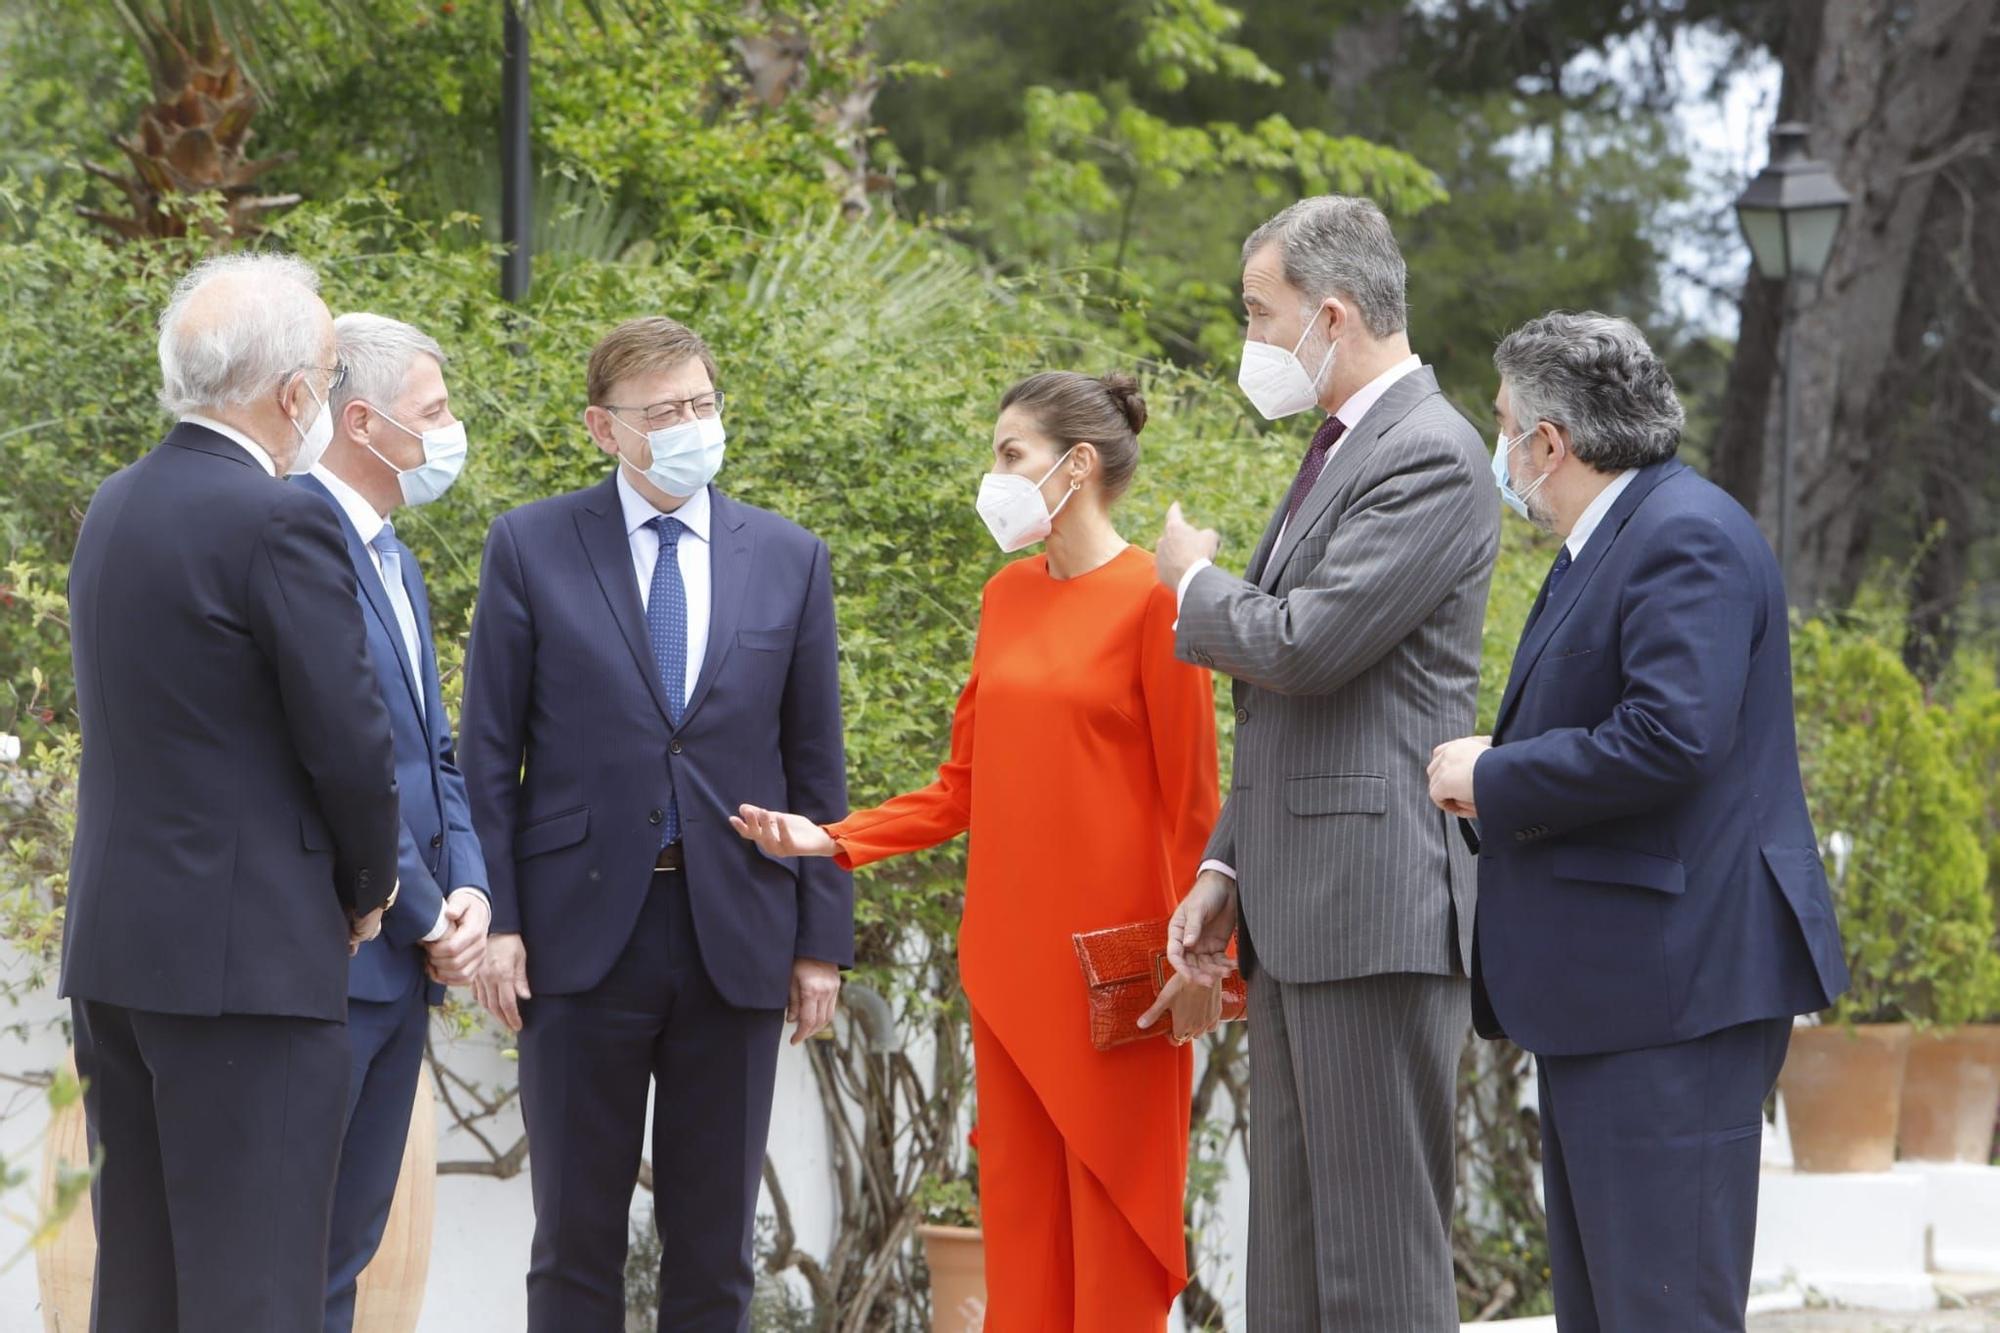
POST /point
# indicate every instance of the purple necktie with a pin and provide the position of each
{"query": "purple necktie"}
(1313, 464)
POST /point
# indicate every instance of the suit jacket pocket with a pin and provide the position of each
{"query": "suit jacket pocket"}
(1619, 865)
(1338, 794)
(767, 640)
(552, 833)
(1801, 876)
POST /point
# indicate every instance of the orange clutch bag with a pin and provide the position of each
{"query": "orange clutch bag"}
(1124, 968)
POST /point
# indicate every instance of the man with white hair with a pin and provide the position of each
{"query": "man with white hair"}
(236, 823)
(396, 443)
(1652, 906)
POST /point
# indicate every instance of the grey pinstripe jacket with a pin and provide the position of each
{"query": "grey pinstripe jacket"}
(1355, 651)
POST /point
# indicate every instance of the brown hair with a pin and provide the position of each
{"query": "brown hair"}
(642, 347)
(1105, 410)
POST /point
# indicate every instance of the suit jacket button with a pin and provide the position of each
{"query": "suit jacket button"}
(437, 841)
(1521, 835)
(656, 817)
(675, 748)
(1242, 716)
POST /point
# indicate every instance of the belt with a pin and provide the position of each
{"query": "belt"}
(669, 859)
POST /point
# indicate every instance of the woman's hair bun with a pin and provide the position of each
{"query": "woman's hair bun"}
(1124, 391)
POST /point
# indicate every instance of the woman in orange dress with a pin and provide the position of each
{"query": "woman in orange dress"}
(1083, 764)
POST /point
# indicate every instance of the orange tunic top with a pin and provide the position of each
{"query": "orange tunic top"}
(1083, 763)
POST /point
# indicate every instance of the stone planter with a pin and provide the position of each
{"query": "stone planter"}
(957, 1260)
(390, 1292)
(1951, 1095)
(1843, 1090)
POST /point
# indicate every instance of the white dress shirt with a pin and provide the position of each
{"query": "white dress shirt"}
(692, 549)
(249, 446)
(368, 525)
(1350, 415)
(1587, 525)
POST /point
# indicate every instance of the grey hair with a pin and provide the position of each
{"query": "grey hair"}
(1596, 375)
(378, 352)
(271, 333)
(1340, 245)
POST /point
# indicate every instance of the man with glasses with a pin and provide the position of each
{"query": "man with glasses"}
(648, 653)
(236, 824)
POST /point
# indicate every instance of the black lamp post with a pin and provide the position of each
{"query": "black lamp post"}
(1790, 213)
(517, 184)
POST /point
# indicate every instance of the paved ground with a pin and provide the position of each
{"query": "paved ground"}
(1852, 1321)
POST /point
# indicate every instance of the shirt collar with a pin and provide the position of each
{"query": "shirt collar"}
(695, 512)
(250, 446)
(1579, 536)
(367, 523)
(1358, 403)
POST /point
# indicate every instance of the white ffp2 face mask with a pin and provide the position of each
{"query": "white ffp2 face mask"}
(313, 439)
(1014, 510)
(1276, 381)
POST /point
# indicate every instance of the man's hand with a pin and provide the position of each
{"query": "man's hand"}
(780, 834)
(502, 981)
(1181, 544)
(1197, 1009)
(815, 987)
(361, 929)
(455, 956)
(1451, 775)
(1199, 933)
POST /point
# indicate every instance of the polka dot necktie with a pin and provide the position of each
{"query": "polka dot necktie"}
(1313, 464)
(667, 628)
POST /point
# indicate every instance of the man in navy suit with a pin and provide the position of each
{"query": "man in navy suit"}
(647, 654)
(1652, 905)
(236, 823)
(396, 444)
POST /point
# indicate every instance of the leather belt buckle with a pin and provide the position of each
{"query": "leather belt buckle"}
(670, 859)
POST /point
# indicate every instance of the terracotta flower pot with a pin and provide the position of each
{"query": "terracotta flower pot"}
(1951, 1095)
(1843, 1090)
(957, 1259)
(391, 1288)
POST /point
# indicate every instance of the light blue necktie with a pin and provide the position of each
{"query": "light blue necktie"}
(391, 552)
(667, 628)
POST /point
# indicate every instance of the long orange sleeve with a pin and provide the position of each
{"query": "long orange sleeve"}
(922, 818)
(1180, 713)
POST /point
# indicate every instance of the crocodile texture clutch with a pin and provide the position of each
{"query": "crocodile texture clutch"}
(1125, 968)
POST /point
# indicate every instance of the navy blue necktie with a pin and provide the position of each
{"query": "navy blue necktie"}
(667, 628)
(1560, 568)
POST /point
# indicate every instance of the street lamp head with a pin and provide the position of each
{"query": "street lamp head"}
(1792, 210)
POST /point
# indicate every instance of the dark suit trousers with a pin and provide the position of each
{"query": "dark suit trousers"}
(1650, 1162)
(221, 1138)
(388, 1054)
(586, 1061)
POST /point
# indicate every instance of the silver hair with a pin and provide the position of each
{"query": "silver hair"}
(1340, 245)
(378, 352)
(1595, 375)
(272, 332)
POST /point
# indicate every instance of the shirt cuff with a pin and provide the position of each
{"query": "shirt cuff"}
(1180, 593)
(443, 926)
(438, 931)
(1221, 868)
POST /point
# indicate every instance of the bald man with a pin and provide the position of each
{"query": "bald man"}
(237, 823)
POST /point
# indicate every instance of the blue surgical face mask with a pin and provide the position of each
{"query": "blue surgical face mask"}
(685, 457)
(444, 459)
(1515, 500)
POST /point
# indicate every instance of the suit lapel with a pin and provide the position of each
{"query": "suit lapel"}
(1354, 448)
(372, 590)
(1543, 626)
(601, 526)
(730, 549)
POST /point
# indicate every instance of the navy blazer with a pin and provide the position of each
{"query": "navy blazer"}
(1648, 870)
(237, 794)
(570, 759)
(437, 851)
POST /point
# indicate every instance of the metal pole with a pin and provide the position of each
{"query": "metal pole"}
(517, 198)
(1789, 311)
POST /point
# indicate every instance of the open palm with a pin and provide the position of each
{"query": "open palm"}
(781, 834)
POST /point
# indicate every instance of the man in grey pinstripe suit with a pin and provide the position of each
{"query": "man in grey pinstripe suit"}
(1354, 644)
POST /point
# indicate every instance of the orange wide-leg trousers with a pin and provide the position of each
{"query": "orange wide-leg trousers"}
(1060, 1255)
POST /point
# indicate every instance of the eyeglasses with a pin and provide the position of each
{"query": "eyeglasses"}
(338, 370)
(675, 411)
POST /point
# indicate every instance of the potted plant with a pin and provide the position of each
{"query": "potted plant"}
(1951, 1096)
(1909, 878)
(954, 1249)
